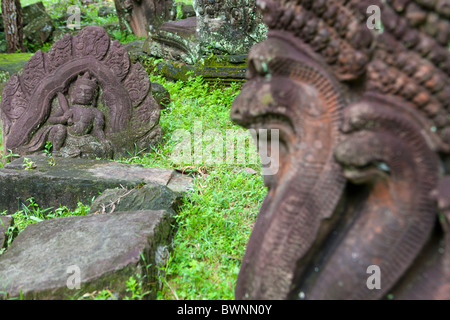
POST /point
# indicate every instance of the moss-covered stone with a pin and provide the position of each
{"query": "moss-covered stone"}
(175, 40)
(183, 10)
(13, 62)
(221, 68)
(213, 44)
(39, 31)
(134, 49)
(33, 12)
(231, 27)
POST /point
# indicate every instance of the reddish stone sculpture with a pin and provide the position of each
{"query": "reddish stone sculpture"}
(364, 120)
(84, 96)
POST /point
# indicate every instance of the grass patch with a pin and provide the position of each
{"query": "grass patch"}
(32, 213)
(214, 226)
(216, 220)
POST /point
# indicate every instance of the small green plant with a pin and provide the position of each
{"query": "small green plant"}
(105, 294)
(47, 149)
(4, 76)
(134, 288)
(124, 37)
(9, 157)
(28, 164)
(179, 13)
(6, 297)
(31, 213)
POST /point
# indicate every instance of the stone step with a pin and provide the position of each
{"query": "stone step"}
(65, 258)
(71, 181)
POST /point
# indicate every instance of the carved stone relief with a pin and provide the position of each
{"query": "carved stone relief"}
(84, 97)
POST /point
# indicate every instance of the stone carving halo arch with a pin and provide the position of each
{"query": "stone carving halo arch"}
(46, 91)
(125, 87)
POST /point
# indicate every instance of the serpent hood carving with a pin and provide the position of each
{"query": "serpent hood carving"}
(364, 122)
(84, 96)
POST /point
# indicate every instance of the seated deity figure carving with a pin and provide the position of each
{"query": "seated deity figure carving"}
(79, 119)
(85, 97)
(70, 124)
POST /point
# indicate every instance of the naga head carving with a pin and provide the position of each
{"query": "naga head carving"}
(364, 122)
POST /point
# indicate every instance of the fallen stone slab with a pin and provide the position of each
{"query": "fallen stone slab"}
(148, 197)
(38, 26)
(67, 257)
(33, 12)
(71, 181)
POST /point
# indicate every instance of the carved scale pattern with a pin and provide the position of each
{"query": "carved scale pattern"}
(270, 253)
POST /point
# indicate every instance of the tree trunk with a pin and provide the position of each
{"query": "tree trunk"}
(12, 20)
(124, 9)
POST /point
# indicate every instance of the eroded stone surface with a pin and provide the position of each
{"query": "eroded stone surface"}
(175, 40)
(229, 26)
(223, 27)
(39, 26)
(147, 197)
(103, 250)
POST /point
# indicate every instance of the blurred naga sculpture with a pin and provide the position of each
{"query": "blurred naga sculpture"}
(364, 130)
(84, 97)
